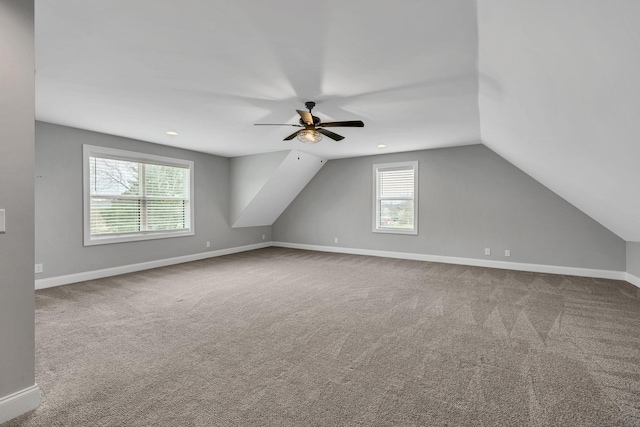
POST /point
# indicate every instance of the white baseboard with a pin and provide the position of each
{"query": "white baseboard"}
(634, 280)
(536, 268)
(131, 268)
(19, 403)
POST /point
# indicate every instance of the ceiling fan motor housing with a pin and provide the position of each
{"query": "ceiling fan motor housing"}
(316, 121)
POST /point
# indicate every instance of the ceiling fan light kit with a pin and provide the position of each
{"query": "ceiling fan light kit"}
(309, 136)
(314, 127)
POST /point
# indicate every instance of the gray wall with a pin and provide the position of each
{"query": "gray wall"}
(633, 258)
(17, 109)
(59, 241)
(470, 199)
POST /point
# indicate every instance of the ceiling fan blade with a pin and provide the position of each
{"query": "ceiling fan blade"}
(349, 123)
(330, 134)
(306, 117)
(293, 135)
(276, 124)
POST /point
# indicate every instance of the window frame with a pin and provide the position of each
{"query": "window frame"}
(381, 167)
(89, 151)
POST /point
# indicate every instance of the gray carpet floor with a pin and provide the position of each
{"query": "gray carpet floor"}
(281, 337)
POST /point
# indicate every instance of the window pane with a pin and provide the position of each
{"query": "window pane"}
(114, 216)
(166, 181)
(166, 215)
(113, 177)
(396, 183)
(111, 215)
(396, 214)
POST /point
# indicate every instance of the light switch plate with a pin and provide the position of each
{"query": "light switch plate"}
(2, 221)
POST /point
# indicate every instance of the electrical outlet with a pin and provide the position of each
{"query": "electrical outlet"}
(38, 268)
(264, 237)
(487, 251)
(335, 240)
(507, 252)
(208, 244)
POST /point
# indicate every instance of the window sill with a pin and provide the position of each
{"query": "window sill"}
(135, 237)
(411, 232)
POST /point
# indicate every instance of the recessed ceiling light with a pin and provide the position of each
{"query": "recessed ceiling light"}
(172, 132)
(380, 145)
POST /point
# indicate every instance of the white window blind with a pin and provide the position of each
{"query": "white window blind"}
(131, 196)
(395, 190)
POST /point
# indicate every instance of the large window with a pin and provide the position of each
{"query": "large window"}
(396, 198)
(133, 196)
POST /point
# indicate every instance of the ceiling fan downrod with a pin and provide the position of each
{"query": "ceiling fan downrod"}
(309, 105)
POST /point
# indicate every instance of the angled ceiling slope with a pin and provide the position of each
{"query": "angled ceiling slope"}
(559, 97)
(263, 185)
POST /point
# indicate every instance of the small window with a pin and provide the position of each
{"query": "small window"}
(133, 196)
(396, 198)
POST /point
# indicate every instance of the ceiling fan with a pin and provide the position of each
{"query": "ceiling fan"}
(314, 127)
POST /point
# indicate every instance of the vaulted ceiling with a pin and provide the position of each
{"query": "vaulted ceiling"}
(559, 97)
(549, 85)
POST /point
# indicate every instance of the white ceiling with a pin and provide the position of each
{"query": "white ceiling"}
(551, 84)
(211, 69)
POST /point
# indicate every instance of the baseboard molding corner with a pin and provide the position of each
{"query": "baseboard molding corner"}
(19, 403)
(67, 279)
(634, 280)
(535, 268)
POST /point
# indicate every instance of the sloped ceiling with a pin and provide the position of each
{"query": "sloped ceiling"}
(261, 196)
(559, 97)
(549, 85)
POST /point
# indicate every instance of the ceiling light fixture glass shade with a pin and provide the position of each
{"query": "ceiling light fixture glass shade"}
(309, 136)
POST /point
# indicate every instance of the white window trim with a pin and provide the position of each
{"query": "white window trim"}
(376, 205)
(97, 151)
